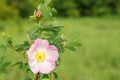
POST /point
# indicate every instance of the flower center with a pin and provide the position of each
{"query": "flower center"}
(40, 56)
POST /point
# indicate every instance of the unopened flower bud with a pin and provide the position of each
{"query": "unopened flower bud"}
(38, 14)
(63, 43)
(62, 36)
(29, 41)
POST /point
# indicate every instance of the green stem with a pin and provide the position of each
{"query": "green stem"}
(51, 76)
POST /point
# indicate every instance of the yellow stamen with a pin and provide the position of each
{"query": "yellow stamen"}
(40, 56)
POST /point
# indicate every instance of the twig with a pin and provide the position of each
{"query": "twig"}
(37, 76)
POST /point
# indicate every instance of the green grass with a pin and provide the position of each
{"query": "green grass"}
(97, 58)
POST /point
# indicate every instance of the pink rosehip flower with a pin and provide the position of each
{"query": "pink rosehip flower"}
(42, 57)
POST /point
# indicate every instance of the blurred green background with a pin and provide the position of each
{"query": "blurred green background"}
(95, 22)
(65, 8)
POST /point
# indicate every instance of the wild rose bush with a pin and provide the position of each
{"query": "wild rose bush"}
(43, 46)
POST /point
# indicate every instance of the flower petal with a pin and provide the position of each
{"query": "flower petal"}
(38, 45)
(41, 43)
(52, 53)
(34, 66)
(46, 67)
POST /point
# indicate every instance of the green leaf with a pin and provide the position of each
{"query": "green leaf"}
(19, 64)
(27, 78)
(46, 2)
(1, 59)
(71, 48)
(3, 49)
(19, 48)
(22, 66)
(6, 64)
(58, 61)
(45, 79)
(25, 67)
(33, 32)
(75, 44)
(26, 45)
(9, 42)
(4, 70)
(45, 76)
(3, 45)
(53, 10)
(55, 75)
(54, 29)
(22, 47)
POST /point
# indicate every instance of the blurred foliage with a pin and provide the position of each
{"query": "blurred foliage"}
(15, 8)
(73, 8)
(87, 7)
(7, 11)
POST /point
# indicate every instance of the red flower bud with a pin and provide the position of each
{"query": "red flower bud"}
(38, 14)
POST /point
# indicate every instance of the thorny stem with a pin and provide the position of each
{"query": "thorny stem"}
(37, 76)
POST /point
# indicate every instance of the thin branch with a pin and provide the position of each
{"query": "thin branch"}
(37, 76)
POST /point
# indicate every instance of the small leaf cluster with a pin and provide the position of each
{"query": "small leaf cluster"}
(51, 76)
